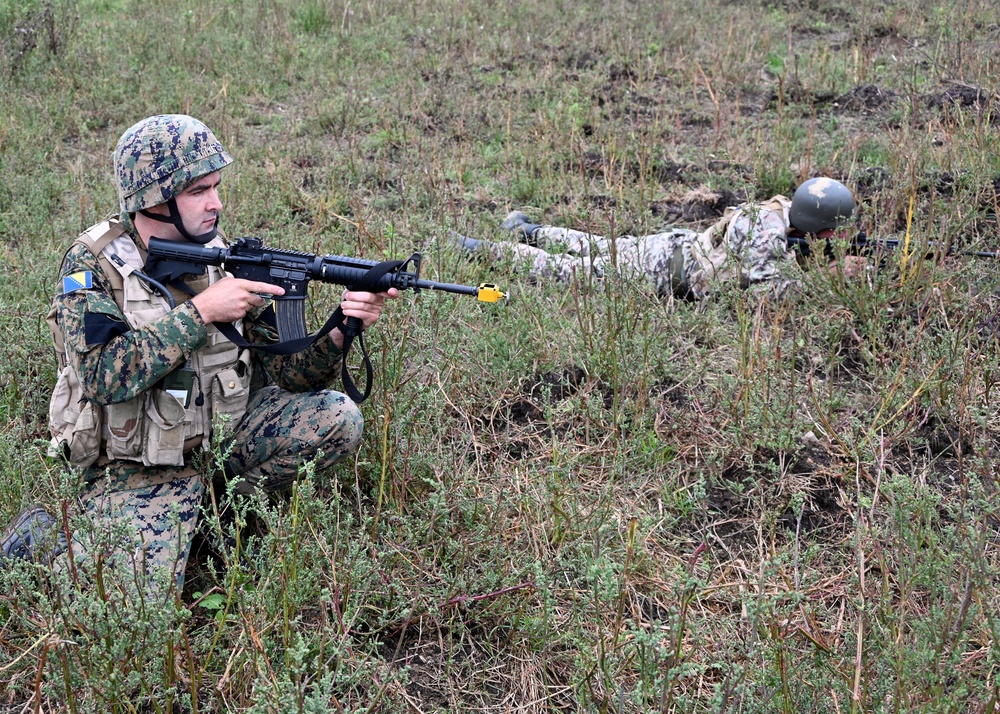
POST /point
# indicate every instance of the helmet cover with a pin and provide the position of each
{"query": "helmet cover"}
(160, 156)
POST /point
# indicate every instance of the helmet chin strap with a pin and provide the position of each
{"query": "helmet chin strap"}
(175, 220)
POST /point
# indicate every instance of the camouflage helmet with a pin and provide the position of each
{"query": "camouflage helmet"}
(160, 156)
(821, 204)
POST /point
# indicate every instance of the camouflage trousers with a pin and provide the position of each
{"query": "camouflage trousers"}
(145, 516)
(664, 259)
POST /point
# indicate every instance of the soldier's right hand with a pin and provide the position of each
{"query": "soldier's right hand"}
(231, 299)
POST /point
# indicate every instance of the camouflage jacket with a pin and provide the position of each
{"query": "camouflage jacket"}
(112, 358)
(748, 242)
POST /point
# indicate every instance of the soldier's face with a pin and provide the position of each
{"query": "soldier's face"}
(199, 204)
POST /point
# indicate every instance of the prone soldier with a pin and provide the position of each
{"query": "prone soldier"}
(749, 243)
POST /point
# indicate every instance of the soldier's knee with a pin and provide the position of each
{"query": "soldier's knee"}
(354, 426)
(343, 424)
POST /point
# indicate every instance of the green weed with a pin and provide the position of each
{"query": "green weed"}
(590, 498)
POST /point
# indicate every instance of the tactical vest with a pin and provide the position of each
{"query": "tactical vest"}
(155, 427)
(711, 251)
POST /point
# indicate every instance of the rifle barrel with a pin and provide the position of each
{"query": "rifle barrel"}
(447, 287)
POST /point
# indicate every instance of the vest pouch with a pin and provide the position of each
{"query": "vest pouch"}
(123, 429)
(230, 392)
(75, 424)
(141, 317)
(218, 351)
(165, 436)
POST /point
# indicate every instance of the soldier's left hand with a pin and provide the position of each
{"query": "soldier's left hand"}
(366, 306)
(855, 265)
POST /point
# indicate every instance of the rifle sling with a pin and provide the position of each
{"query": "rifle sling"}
(350, 326)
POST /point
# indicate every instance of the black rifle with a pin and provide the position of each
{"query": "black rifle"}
(248, 258)
(861, 245)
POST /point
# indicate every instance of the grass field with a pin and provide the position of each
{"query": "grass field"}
(587, 499)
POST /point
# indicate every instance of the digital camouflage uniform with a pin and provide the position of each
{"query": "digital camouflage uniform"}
(677, 261)
(290, 416)
(120, 357)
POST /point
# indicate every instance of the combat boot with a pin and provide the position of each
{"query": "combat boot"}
(517, 223)
(469, 245)
(31, 535)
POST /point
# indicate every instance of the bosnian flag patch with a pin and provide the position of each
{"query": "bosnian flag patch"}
(77, 281)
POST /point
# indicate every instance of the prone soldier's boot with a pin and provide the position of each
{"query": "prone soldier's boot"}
(32, 534)
(469, 245)
(517, 223)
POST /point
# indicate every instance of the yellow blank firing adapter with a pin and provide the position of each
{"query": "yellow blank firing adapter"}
(488, 292)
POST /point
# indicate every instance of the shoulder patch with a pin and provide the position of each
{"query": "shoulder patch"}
(83, 280)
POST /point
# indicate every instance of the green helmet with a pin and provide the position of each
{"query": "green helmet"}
(160, 156)
(821, 204)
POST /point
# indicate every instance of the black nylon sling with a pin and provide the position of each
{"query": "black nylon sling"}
(350, 326)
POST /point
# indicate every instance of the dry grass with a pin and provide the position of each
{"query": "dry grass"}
(588, 499)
